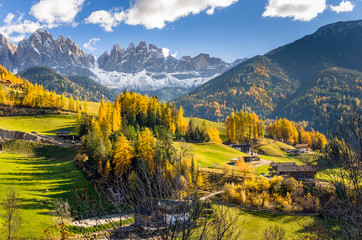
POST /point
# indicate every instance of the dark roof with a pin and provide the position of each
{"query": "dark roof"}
(296, 168)
(240, 145)
(277, 164)
(301, 145)
(142, 210)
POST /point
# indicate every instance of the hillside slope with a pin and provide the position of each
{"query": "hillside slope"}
(77, 86)
(272, 84)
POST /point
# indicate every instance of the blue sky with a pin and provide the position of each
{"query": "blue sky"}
(229, 29)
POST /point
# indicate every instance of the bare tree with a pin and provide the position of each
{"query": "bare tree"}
(274, 232)
(63, 213)
(165, 204)
(344, 158)
(12, 215)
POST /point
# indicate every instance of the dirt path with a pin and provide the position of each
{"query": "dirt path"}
(262, 162)
(96, 221)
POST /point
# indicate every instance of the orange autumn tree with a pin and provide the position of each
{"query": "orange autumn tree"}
(244, 168)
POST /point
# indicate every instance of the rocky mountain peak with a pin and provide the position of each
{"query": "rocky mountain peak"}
(7, 51)
(142, 46)
(131, 47)
(153, 47)
(9, 45)
(40, 49)
(40, 37)
(117, 50)
(61, 39)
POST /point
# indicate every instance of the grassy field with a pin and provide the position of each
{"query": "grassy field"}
(93, 107)
(214, 155)
(273, 148)
(255, 222)
(31, 177)
(220, 126)
(208, 154)
(42, 124)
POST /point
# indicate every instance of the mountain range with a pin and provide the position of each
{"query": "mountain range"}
(79, 86)
(317, 78)
(142, 68)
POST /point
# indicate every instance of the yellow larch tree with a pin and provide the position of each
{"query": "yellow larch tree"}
(146, 147)
(181, 123)
(77, 104)
(85, 106)
(122, 156)
(214, 135)
(116, 117)
(71, 103)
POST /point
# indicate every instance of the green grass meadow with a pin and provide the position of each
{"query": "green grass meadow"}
(31, 176)
(42, 124)
(208, 154)
(32, 168)
(93, 107)
(220, 126)
(254, 223)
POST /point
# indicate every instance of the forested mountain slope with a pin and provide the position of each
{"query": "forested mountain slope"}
(314, 78)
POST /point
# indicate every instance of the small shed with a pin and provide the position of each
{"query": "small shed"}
(174, 211)
(5, 81)
(274, 165)
(251, 158)
(245, 148)
(291, 169)
(301, 173)
(17, 86)
(63, 134)
(301, 145)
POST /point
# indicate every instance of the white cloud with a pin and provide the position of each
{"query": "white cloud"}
(107, 20)
(15, 29)
(155, 13)
(344, 6)
(55, 12)
(165, 52)
(174, 55)
(304, 10)
(90, 45)
(75, 24)
(9, 18)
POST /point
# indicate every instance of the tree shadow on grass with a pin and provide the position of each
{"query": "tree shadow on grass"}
(38, 150)
(319, 228)
(67, 127)
(267, 215)
(44, 180)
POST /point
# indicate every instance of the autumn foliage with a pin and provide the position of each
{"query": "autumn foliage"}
(292, 133)
(243, 126)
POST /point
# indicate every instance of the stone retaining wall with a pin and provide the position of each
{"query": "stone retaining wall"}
(8, 134)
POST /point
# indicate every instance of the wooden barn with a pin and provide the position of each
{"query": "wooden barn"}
(299, 172)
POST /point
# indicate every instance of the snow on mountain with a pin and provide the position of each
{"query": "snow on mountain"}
(139, 68)
(147, 81)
